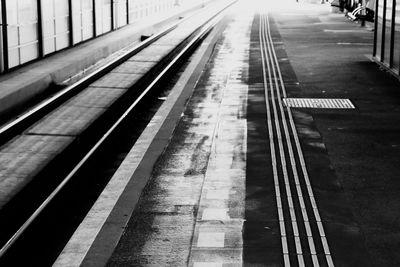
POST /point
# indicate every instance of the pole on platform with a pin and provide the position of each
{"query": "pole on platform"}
(363, 12)
(4, 34)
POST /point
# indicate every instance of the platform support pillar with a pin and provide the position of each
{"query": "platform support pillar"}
(363, 12)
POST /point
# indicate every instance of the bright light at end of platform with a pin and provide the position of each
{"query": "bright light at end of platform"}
(264, 6)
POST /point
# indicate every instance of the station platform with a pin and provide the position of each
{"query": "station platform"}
(278, 146)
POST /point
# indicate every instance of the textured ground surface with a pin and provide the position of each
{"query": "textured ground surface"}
(212, 198)
(329, 56)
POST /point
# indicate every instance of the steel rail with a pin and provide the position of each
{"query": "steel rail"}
(205, 29)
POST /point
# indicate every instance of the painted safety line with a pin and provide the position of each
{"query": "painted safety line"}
(272, 69)
(281, 218)
(302, 161)
(303, 165)
(366, 44)
(272, 74)
(293, 164)
(207, 264)
(344, 31)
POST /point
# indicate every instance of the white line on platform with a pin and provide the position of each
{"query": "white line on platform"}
(345, 31)
(278, 109)
(366, 44)
(207, 264)
(301, 159)
(284, 241)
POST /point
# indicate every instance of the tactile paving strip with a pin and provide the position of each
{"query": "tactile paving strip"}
(327, 103)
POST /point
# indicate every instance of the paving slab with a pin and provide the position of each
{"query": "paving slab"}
(135, 67)
(96, 97)
(117, 80)
(23, 157)
(171, 39)
(150, 55)
(66, 121)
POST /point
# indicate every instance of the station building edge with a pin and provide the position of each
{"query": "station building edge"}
(387, 35)
(33, 29)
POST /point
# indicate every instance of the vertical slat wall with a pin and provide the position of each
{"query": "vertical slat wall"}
(380, 33)
(387, 34)
(396, 39)
(120, 13)
(22, 31)
(55, 25)
(82, 20)
(2, 28)
(103, 16)
(31, 29)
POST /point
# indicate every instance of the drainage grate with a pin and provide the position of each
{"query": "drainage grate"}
(318, 103)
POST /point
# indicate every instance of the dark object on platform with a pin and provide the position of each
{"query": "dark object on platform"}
(145, 36)
(339, 4)
(354, 10)
(349, 5)
(357, 14)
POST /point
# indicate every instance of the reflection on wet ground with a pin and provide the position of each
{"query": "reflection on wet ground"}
(194, 207)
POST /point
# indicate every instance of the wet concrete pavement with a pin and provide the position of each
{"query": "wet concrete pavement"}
(193, 210)
(215, 195)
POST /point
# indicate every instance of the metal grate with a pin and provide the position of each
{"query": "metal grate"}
(318, 103)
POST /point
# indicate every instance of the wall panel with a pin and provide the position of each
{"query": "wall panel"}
(379, 29)
(22, 31)
(82, 20)
(120, 13)
(62, 25)
(103, 16)
(396, 46)
(388, 32)
(55, 26)
(1, 41)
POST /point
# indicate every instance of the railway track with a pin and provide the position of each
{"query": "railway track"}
(72, 180)
(303, 238)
